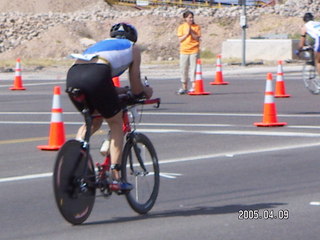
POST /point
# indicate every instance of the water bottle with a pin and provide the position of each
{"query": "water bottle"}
(146, 82)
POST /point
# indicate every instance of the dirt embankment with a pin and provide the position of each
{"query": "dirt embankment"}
(71, 25)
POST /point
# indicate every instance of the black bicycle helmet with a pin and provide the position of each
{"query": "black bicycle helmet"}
(308, 17)
(124, 30)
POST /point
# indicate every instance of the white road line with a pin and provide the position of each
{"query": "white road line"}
(35, 113)
(235, 132)
(34, 84)
(183, 114)
(185, 159)
(227, 114)
(25, 177)
(187, 124)
(258, 133)
(250, 132)
(170, 175)
(314, 203)
(37, 122)
(167, 130)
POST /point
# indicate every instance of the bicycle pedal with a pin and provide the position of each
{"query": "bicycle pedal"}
(98, 165)
(105, 192)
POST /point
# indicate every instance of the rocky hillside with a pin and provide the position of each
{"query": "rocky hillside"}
(54, 28)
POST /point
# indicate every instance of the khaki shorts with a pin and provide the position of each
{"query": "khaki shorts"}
(188, 65)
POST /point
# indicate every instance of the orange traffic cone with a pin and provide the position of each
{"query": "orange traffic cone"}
(219, 75)
(269, 112)
(116, 81)
(198, 88)
(56, 133)
(280, 86)
(17, 85)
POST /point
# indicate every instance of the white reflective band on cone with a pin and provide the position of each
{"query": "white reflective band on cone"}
(268, 99)
(56, 117)
(198, 76)
(269, 86)
(199, 68)
(56, 102)
(279, 78)
(18, 73)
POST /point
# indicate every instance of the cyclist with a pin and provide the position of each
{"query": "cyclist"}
(312, 29)
(92, 73)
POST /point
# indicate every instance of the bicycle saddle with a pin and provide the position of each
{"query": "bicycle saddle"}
(76, 94)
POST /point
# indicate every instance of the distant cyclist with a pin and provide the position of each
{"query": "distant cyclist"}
(92, 73)
(312, 29)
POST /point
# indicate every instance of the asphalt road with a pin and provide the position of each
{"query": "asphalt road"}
(218, 170)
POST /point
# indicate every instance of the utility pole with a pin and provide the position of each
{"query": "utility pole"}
(243, 24)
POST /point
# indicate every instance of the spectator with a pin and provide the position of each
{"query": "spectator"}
(189, 35)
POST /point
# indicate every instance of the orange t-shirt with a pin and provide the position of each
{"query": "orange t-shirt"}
(189, 45)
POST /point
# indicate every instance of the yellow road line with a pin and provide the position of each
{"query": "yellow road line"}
(35, 139)
(24, 140)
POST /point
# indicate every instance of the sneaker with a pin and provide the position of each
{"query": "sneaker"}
(191, 90)
(120, 187)
(125, 186)
(182, 91)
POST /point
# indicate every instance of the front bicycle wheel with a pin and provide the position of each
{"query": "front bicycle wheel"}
(311, 78)
(74, 186)
(140, 167)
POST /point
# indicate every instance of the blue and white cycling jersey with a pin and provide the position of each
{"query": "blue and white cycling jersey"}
(118, 52)
(313, 30)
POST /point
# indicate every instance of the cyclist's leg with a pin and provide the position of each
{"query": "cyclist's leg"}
(317, 54)
(96, 124)
(317, 61)
(116, 140)
(106, 101)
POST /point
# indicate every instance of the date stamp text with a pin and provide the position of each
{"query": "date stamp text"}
(281, 214)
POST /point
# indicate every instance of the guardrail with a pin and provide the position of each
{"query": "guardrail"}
(201, 3)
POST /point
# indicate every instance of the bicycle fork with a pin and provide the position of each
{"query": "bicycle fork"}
(137, 152)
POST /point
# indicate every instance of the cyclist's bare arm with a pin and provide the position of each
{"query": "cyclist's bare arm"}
(134, 75)
(303, 37)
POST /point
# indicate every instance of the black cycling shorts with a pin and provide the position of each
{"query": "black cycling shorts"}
(95, 81)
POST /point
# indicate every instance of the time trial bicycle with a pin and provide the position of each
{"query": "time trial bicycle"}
(75, 179)
(310, 75)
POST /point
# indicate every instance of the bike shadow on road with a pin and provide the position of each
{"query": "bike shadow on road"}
(187, 212)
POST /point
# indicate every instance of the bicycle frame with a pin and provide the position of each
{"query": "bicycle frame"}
(128, 131)
(307, 55)
(103, 168)
(309, 72)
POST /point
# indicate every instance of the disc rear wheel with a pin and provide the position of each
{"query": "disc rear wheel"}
(74, 191)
